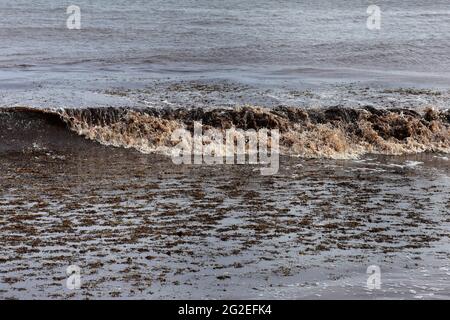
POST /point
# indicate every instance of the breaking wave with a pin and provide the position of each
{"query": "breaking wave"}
(335, 132)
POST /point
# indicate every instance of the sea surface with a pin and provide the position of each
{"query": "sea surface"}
(267, 49)
(86, 118)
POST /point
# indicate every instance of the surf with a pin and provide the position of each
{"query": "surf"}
(334, 132)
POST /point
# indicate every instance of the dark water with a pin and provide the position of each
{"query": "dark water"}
(273, 47)
(157, 230)
(140, 226)
(363, 180)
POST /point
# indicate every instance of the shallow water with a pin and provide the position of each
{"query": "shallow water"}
(139, 226)
(157, 230)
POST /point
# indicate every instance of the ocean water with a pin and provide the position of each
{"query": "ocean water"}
(266, 48)
(140, 227)
(85, 123)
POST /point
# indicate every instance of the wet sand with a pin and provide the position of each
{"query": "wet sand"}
(139, 226)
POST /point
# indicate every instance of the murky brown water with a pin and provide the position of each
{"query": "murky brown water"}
(139, 226)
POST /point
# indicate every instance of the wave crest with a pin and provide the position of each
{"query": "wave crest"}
(335, 132)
